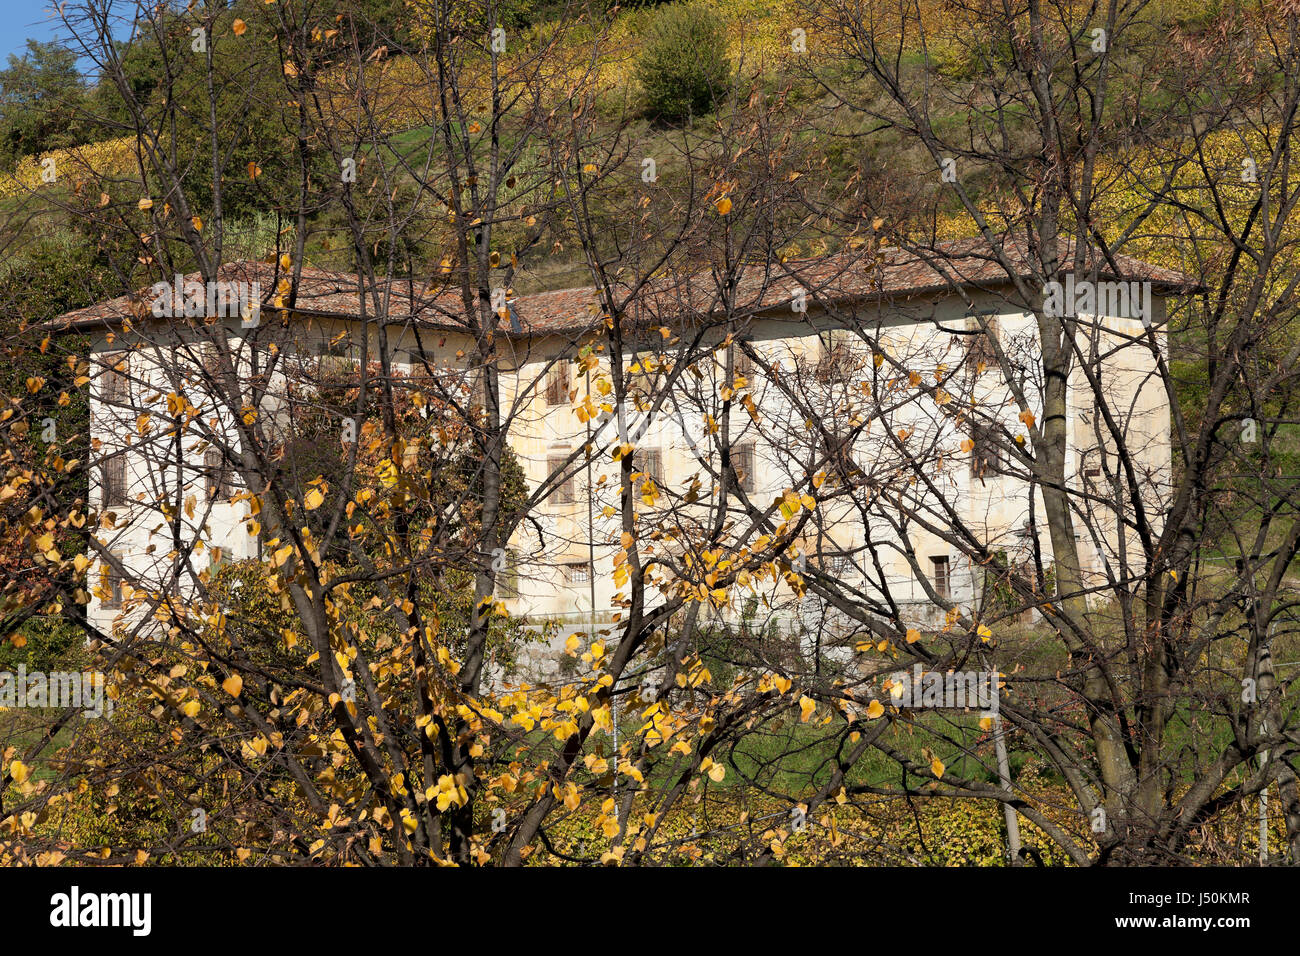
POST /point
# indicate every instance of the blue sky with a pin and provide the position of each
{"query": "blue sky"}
(34, 19)
(23, 19)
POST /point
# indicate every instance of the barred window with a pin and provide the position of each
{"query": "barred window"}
(337, 357)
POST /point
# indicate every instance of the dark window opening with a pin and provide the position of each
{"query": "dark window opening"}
(979, 341)
(217, 473)
(652, 465)
(112, 477)
(987, 455)
(557, 384)
(939, 574)
(742, 459)
(566, 490)
(115, 389)
(112, 584)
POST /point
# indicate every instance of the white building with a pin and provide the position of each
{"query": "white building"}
(823, 399)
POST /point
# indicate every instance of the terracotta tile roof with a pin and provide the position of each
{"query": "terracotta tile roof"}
(847, 277)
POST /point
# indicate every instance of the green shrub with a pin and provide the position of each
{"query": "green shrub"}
(683, 67)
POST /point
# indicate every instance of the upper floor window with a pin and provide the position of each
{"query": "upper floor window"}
(940, 576)
(111, 583)
(836, 358)
(508, 581)
(217, 474)
(982, 332)
(114, 387)
(741, 364)
(742, 459)
(112, 477)
(566, 491)
(987, 457)
(557, 383)
(652, 464)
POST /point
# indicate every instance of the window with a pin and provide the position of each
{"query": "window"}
(742, 459)
(979, 341)
(217, 474)
(940, 577)
(209, 360)
(652, 465)
(111, 582)
(836, 356)
(741, 363)
(337, 357)
(112, 477)
(565, 492)
(640, 382)
(838, 565)
(411, 357)
(115, 389)
(557, 384)
(509, 579)
(987, 456)
(577, 572)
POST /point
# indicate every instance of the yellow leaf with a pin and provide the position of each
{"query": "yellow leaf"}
(723, 206)
(315, 498)
(190, 708)
(145, 205)
(717, 772)
(874, 710)
(807, 706)
(239, 27)
(937, 767)
(232, 685)
(19, 771)
(913, 635)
